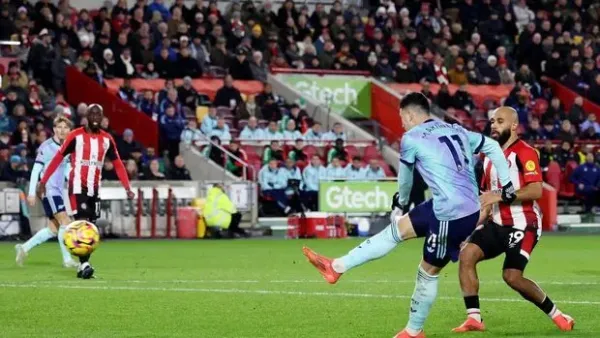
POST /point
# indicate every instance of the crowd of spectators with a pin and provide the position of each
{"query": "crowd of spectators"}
(467, 42)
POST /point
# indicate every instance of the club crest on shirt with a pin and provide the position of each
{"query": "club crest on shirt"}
(530, 165)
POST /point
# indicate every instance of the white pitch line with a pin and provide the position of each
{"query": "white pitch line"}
(296, 281)
(266, 292)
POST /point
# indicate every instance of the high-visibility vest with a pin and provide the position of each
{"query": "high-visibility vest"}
(218, 209)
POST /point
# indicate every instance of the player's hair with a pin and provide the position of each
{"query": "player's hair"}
(63, 119)
(416, 102)
(95, 106)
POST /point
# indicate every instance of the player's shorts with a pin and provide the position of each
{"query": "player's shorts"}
(85, 207)
(495, 239)
(442, 238)
(53, 205)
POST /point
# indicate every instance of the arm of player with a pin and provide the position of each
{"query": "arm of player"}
(408, 156)
(67, 148)
(491, 148)
(33, 180)
(484, 214)
(529, 165)
(113, 154)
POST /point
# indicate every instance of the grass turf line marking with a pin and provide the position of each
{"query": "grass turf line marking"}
(267, 292)
(297, 281)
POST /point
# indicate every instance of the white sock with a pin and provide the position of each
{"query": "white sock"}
(554, 313)
(475, 314)
(83, 266)
(66, 255)
(37, 239)
(373, 248)
(425, 293)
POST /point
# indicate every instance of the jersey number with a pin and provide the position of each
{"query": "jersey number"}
(465, 160)
(515, 237)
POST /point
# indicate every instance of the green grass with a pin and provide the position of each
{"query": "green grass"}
(265, 288)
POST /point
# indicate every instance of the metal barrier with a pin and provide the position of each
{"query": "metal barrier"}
(228, 154)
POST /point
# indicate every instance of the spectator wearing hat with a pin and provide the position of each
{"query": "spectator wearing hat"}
(40, 58)
(15, 171)
(127, 144)
(239, 67)
(228, 95)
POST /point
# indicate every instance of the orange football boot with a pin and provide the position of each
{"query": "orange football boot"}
(404, 334)
(323, 264)
(564, 322)
(471, 324)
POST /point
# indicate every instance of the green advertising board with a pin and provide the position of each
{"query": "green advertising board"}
(356, 196)
(348, 96)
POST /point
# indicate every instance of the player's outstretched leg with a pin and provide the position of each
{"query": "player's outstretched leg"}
(425, 293)
(23, 249)
(533, 293)
(64, 219)
(371, 249)
(470, 255)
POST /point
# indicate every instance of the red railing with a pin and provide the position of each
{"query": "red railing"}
(567, 96)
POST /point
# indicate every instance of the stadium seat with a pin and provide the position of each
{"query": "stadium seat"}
(241, 124)
(311, 150)
(554, 175)
(372, 154)
(352, 151)
(201, 112)
(540, 106)
(567, 188)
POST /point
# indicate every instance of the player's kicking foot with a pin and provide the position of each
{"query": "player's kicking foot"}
(70, 264)
(471, 324)
(21, 254)
(323, 264)
(85, 271)
(405, 334)
(564, 322)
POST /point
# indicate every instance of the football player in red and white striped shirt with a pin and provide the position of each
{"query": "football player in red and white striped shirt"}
(88, 146)
(514, 229)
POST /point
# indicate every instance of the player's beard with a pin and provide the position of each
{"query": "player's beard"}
(94, 128)
(503, 137)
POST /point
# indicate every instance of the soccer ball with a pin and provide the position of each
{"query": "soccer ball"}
(81, 238)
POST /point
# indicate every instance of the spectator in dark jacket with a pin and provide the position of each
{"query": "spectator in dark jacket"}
(228, 95)
(586, 178)
(14, 171)
(178, 171)
(171, 126)
(187, 66)
(564, 154)
(546, 154)
(239, 67)
(128, 145)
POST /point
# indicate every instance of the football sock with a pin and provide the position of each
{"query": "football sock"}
(37, 239)
(63, 249)
(472, 305)
(422, 299)
(373, 248)
(84, 259)
(549, 308)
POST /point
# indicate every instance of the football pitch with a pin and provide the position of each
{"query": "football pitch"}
(266, 288)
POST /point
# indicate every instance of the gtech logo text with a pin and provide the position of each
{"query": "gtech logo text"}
(346, 198)
(356, 196)
(344, 95)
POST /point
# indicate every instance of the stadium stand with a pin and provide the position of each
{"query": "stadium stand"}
(461, 54)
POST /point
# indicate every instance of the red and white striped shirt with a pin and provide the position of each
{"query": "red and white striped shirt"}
(524, 166)
(88, 151)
